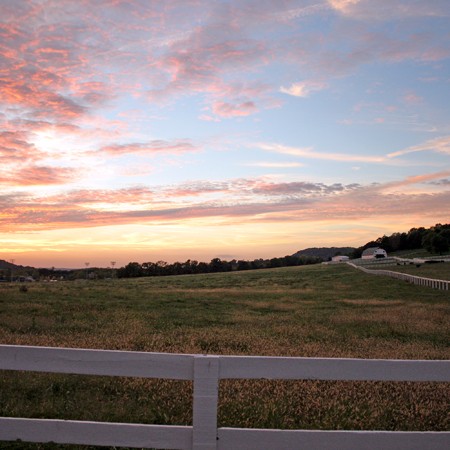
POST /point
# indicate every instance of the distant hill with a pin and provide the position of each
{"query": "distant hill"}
(5, 265)
(324, 252)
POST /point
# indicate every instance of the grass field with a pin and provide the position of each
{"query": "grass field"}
(323, 311)
(439, 271)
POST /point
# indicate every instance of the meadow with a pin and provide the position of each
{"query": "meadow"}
(439, 271)
(310, 311)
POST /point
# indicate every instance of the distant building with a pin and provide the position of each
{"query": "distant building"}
(26, 279)
(340, 258)
(374, 252)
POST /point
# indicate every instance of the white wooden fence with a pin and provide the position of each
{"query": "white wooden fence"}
(206, 371)
(421, 281)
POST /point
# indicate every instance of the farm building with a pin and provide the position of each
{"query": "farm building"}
(374, 252)
(340, 258)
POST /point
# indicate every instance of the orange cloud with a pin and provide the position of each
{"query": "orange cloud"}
(14, 147)
(43, 102)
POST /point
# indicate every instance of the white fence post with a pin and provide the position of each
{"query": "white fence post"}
(206, 391)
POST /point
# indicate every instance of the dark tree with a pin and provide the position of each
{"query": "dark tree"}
(131, 270)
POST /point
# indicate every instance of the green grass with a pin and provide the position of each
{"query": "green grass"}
(315, 311)
(416, 253)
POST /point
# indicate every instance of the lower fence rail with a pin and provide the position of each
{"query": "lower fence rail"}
(206, 371)
(95, 433)
(254, 439)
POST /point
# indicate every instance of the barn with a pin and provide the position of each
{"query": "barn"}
(374, 252)
(340, 258)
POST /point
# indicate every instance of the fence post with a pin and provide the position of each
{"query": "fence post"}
(206, 390)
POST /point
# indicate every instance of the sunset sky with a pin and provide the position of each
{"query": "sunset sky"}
(165, 130)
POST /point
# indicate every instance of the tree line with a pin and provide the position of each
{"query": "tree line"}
(435, 239)
(161, 268)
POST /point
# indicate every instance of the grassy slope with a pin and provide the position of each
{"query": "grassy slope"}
(438, 270)
(331, 311)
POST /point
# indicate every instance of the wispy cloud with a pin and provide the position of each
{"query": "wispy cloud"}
(368, 9)
(411, 98)
(439, 145)
(309, 153)
(302, 11)
(155, 146)
(304, 88)
(224, 109)
(275, 165)
(442, 182)
(416, 180)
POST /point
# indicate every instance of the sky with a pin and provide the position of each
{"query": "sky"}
(138, 130)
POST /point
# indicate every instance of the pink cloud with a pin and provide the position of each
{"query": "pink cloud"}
(201, 68)
(63, 63)
(411, 98)
(238, 99)
(224, 109)
(43, 65)
(205, 62)
(44, 103)
(348, 45)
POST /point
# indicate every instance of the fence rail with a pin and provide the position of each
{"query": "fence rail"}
(443, 285)
(206, 371)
